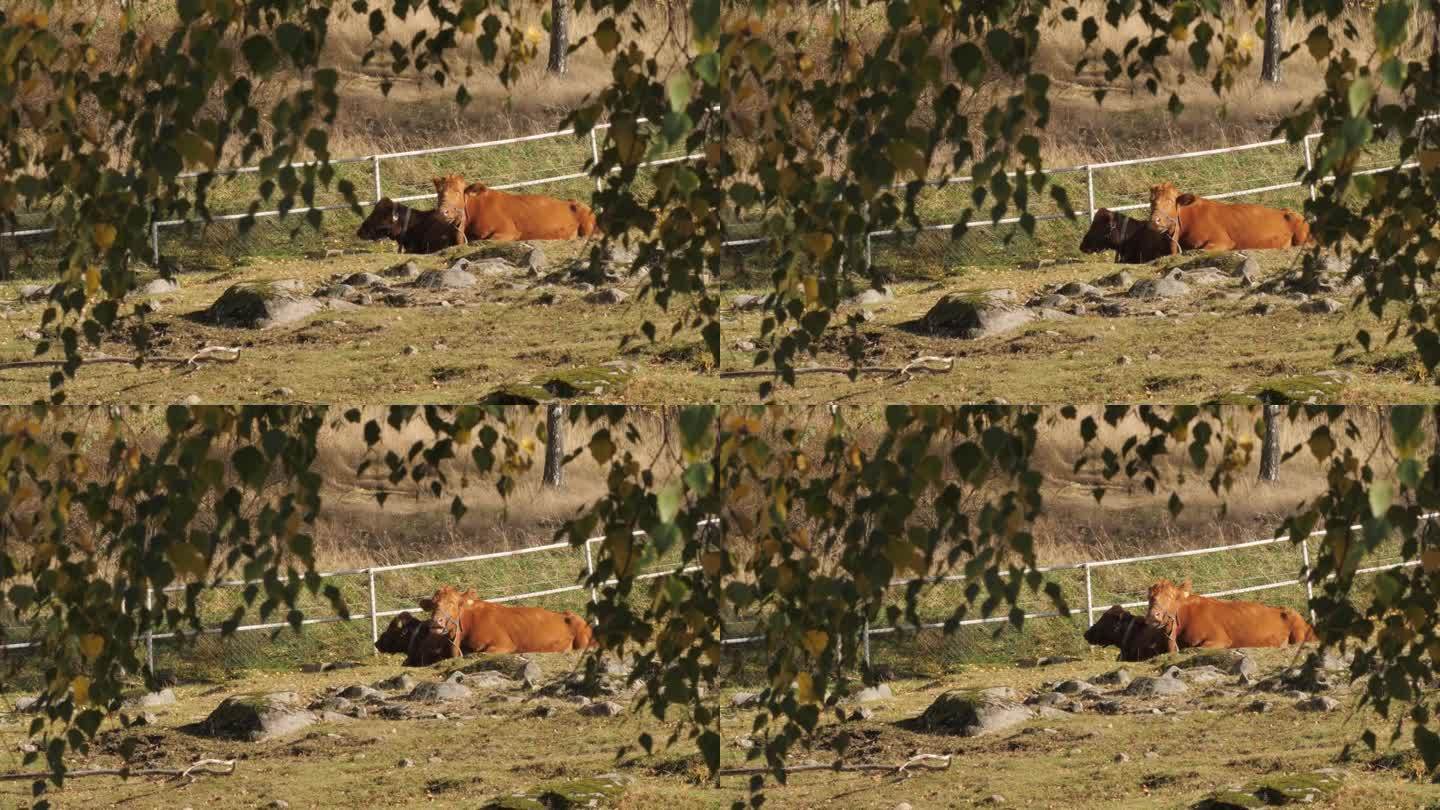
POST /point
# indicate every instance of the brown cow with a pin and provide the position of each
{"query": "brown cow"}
(1201, 621)
(415, 638)
(472, 624)
(414, 230)
(1195, 223)
(451, 203)
(1138, 637)
(1135, 241)
(503, 217)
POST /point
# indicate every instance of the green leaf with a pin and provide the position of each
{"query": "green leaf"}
(706, 16)
(1380, 496)
(678, 91)
(668, 499)
(606, 35)
(1359, 96)
(1391, 20)
(710, 747)
(698, 477)
(1406, 421)
(250, 463)
(707, 67)
(696, 424)
(260, 54)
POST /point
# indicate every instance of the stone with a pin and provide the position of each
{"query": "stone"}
(400, 683)
(327, 716)
(406, 763)
(1115, 677)
(1163, 287)
(160, 286)
(1051, 301)
(995, 798)
(33, 292)
(1079, 289)
(1146, 686)
(409, 351)
(1121, 278)
(602, 708)
(972, 317)
(452, 278)
(1318, 703)
(1111, 707)
(359, 692)
(1314, 787)
(407, 271)
(263, 304)
(1200, 675)
(871, 297)
(279, 804)
(488, 680)
(606, 790)
(334, 703)
(257, 717)
(1053, 660)
(146, 719)
(745, 302)
(861, 713)
(1122, 757)
(1002, 692)
(1228, 662)
(607, 295)
(970, 713)
(283, 393)
(26, 705)
(1258, 707)
(442, 692)
(491, 267)
(744, 700)
(903, 806)
(1321, 306)
(363, 280)
(871, 694)
(1074, 687)
(165, 697)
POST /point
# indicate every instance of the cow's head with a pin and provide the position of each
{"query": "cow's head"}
(383, 222)
(1165, 204)
(1101, 235)
(1110, 628)
(450, 198)
(447, 612)
(397, 635)
(1165, 600)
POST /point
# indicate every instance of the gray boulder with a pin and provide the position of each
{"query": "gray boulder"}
(745, 302)
(1120, 278)
(872, 297)
(871, 694)
(1321, 306)
(1163, 686)
(359, 692)
(367, 279)
(1079, 289)
(1318, 703)
(405, 272)
(970, 713)
(1074, 687)
(257, 717)
(602, 708)
(1163, 287)
(442, 692)
(1115, 677)
(149, 700)
(453, 278)
(489, 680)
(607, 295)
(160, 286)
(33, 292)
(400, 683)
(972, 317)
(263, 304)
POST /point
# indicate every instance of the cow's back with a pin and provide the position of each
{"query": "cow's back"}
(1206, 223)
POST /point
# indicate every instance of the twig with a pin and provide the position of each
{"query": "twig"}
(921, 761)
(920, 365)
(209, 354)
(205, 767)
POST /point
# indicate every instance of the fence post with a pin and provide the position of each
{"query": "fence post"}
(869, 256)
(599, 186)
(155, 242)
(1309, 164)
(865, 634)
(150, 629)
(375, 172)
(590, 569)
(1090, 188)
(1089, 594)
(1309, 589)
(374, 620)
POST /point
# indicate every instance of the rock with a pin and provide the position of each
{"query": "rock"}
(872, 296)
(861, 713)
(409, 351)
(452, 278)
(1146, 686)
(745, 302)
(279, 804)
(970, 713)
(602, 708)
(263, 304)
(1321, 306)
(1318, 703)
(33, 292)
(358, 692)
(1258, 707)
(1111, 707)
(1123, 360)
(283, 393)
(146, 719)
(1201, 675)
(257, 717)
(1332, 660)
(406, 271)
(491, 267)
(32, 335)
(871, 694)
(160, 286)
(25, 705)
(1303, 788)
(1053, 660)
(744, 700)
(530, 674)
(346, 293)
(1074, 687)
(400, 683)
(334, 703)
(1163, 287)
(995, 798)
(1229, 662)
(1115, 677)
(406, 763)
(1122, 757)
(363, 280)
(607, 295)
(1001, 692)
(1079, 289)
(438, 692)
(972, 317)
(1051, 301)
(192, 400)
(1121, 278)
(165, 697)
(328, 716)
(602, 791)
(489, 680)
(903, 806)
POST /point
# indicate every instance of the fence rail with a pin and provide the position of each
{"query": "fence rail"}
(1087, 569)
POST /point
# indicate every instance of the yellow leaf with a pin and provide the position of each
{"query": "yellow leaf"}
(81, 687)
(186, 559)
(1429, 160)
(812, 290)
(712, 653)
(1430, 560)
(92, 281)
(91, 644)
(818, 243)
(816, 641)
(805, 688)
(104, 235)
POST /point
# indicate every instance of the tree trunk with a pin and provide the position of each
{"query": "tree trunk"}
(1270, 68)
(554, 445)
(1270, 450)
(559, 36)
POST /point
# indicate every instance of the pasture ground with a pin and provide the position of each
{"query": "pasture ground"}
(455, 345)
(1175, 750)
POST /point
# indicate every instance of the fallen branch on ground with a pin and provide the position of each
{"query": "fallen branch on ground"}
(922, 761)
(209, 354)
(920, 365)
(205, 767)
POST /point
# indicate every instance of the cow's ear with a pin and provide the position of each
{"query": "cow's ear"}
(439, 182)
(426, 603)
(1185, 199)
